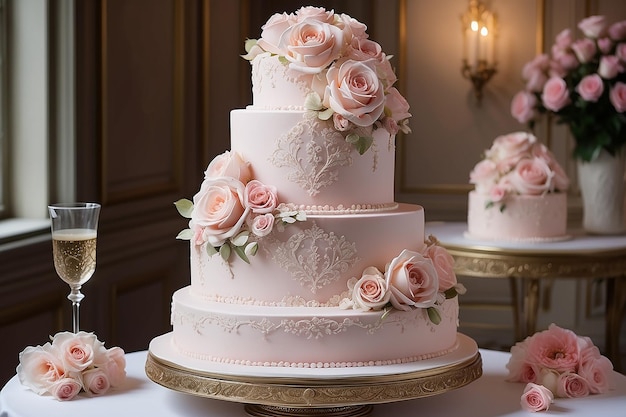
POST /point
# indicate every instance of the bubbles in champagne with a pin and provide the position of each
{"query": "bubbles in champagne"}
(74, 252)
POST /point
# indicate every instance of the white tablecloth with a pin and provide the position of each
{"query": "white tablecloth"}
(489, 396)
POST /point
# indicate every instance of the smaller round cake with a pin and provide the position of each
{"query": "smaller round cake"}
(520, 192)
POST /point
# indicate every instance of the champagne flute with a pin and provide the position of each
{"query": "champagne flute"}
(74, 234)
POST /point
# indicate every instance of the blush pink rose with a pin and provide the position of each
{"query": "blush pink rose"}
(260, 198)
(272, 31)
(96, 381)
(512, 146)
(310, 45)
(539, 63)
(77, 350)
(484, 175)
(594, 368)
(262, 224)
(564, 39)
(617, 96)
(593, 26)
(412, 280)
(220, 209)
(536, 398)
(370, 291)
(560, 179)
(386, 74)
(605, 45)
(115, 366)
(566, 60)
(571, 385)
(65, 389)
(354, 91)
(444, 265)
(590, 87)
(364, 49)
(620, 51)
(40, 367)
(352, 28)
(397, 105)
(315, 13)
(585, 49)
(497, 193)
(229, 164)
(341, 123)
(520, 369)
(610, 67)
(523, 106)
(536, 81)
(555, 95)
(617, 31)
(555, 348)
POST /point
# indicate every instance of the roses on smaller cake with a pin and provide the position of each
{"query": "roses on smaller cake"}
(411, 280)
(557, 363)
(231, 207)
(70, 363)
(517, 164)
(353, 79)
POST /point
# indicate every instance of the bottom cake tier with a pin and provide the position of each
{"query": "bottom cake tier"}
(308, 337)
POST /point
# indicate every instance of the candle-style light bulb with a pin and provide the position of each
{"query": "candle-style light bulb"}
(484, 31)
(474, 26)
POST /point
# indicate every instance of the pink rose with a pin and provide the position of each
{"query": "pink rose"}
(497, 193)
(40, 367)
(370, 291)
(555, 348)
(352, 28)
(483, 175)
(564, 39)
(585, 49)
(571, 385)
(609, 67)
(412, 280)
(594, 368)
(444, 265)
(77, 350)
(315, 13)
(536, 80)
(511, 146)
(355, 92)
(260, 198)
(566, 61)
(219, 208)
(65, 389)
(520, 370)
(96, 381)
(590, 87)
(310, 46)
(539, 63)
(536, 398)
(560, 180)
(364, 49)
(523, 106)
(617, 96)
(593, 26)
(262, 224)
(617, 31)
(620, 51)
(555, 95)
(272, 31)
(115, 365)
(605, 45)
(386, 74)
(229, 164)
(397, 105)
(341, 123)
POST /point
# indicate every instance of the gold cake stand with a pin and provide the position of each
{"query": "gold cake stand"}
(337, 392)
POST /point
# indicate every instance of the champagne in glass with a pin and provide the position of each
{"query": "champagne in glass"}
(74, 236)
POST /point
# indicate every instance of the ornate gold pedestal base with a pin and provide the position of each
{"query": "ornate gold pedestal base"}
(255, 410)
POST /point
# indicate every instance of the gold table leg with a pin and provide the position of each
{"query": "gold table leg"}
(615, 303)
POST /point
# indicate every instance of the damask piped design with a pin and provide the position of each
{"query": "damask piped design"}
(312, 165)
(313, 256)
(266, 76)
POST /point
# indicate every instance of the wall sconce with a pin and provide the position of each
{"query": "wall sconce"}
(479, 33)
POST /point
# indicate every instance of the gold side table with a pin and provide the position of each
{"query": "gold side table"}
(579, 257)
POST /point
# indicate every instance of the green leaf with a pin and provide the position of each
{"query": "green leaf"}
(241, 239)
(283, 60)
(225, 251)
(249, 44)
(364, 143)
(251, 248)
(450, 293)
(352, 138)
(185, 234)
(433, 315)
(241, 253)
(184, 207)
(211, 250)
(313, 101)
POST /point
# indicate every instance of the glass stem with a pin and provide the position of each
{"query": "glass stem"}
(75, 297)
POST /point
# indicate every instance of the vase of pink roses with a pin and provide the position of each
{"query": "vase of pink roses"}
(582, 82)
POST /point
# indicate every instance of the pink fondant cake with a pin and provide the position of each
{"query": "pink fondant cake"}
(299, 254)
(520, 192)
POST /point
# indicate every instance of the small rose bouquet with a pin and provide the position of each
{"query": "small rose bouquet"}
(69, 364)
(231, 211)
(411, 280)
(353, 79)
(583, 83)
(517, 164)
(560, 362)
